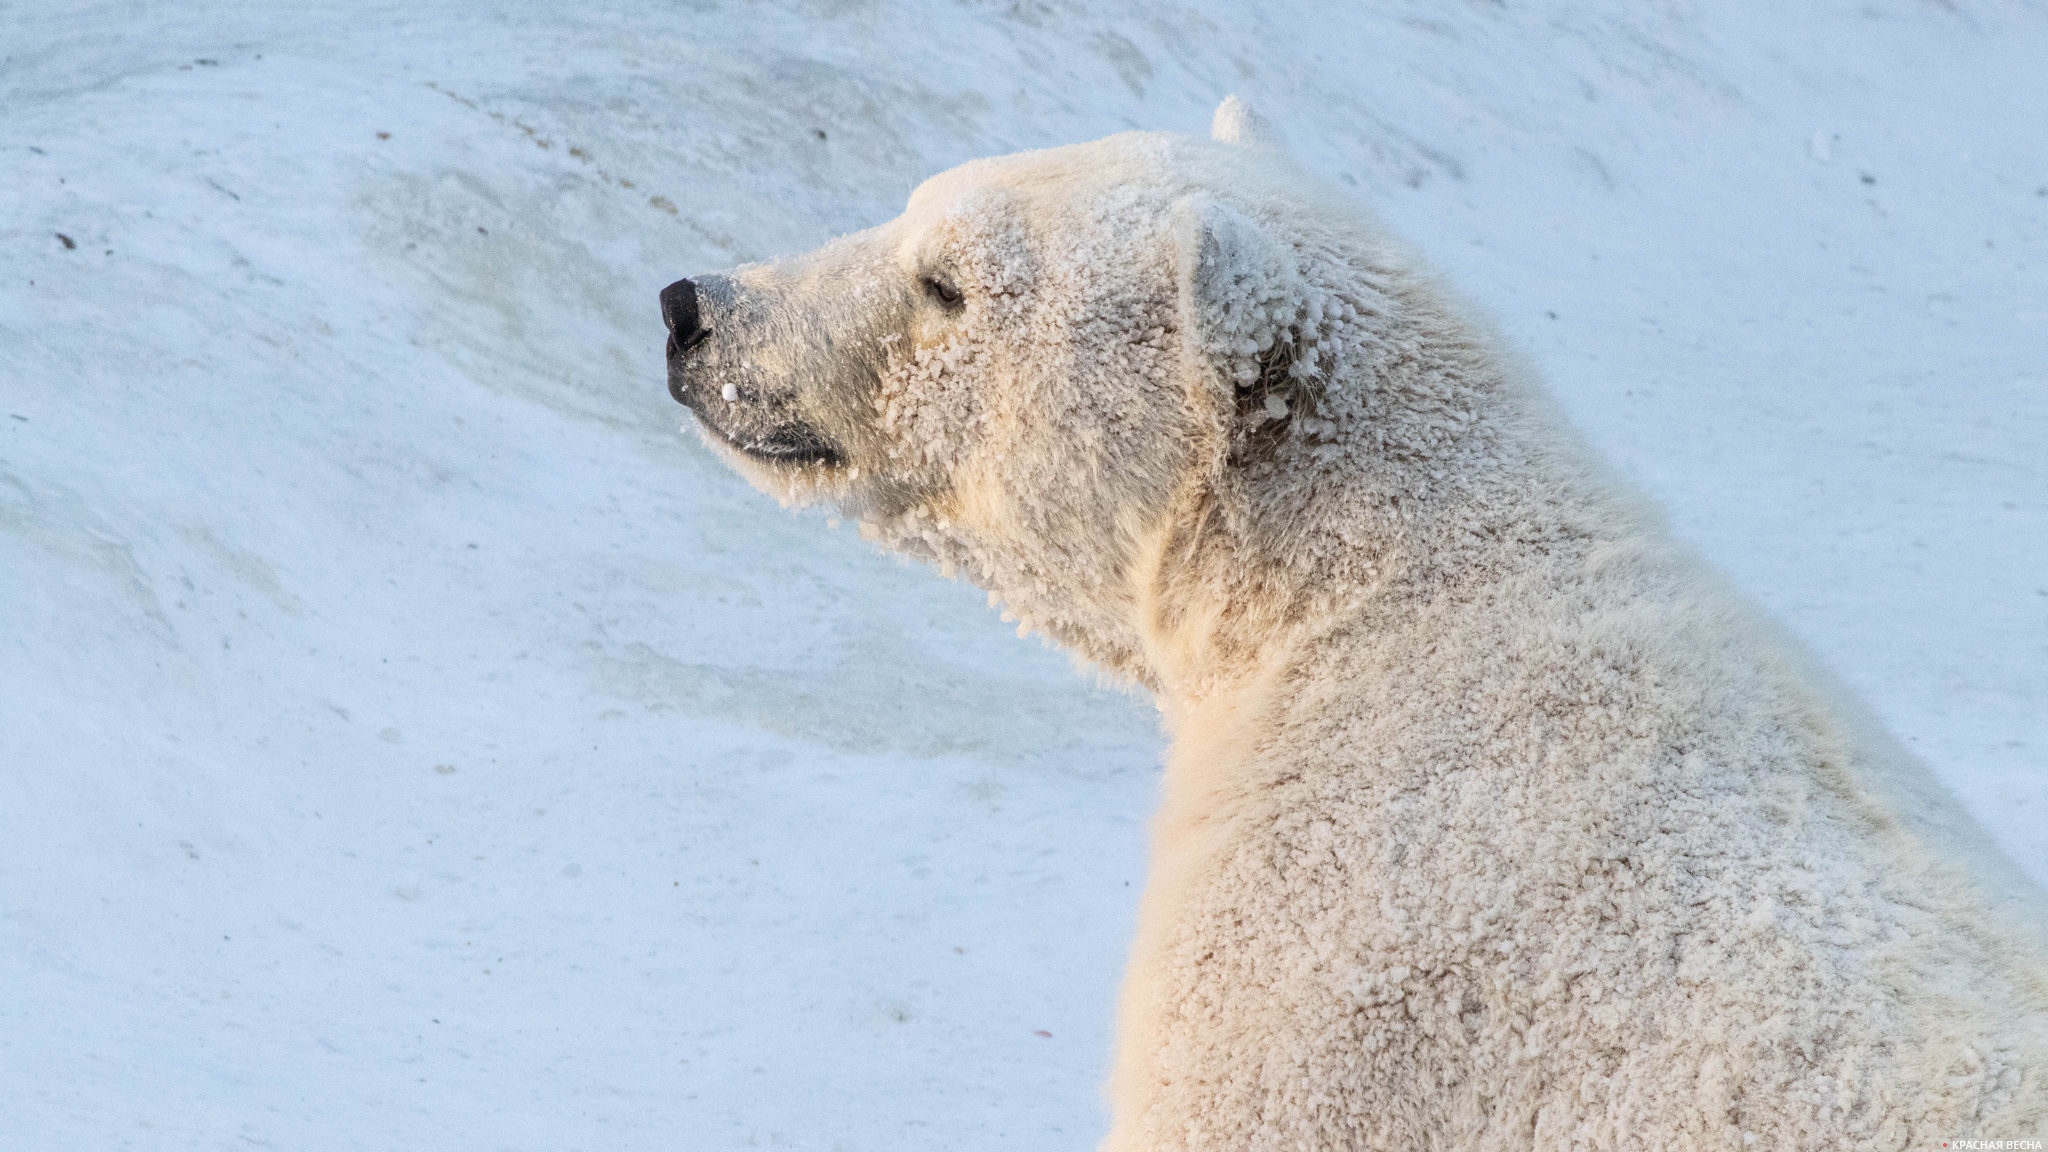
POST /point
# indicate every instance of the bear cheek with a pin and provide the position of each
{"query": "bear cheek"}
(928, 409)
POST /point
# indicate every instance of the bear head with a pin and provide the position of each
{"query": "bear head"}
(1044, 367)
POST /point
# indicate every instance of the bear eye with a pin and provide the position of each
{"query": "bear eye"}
(944, 291)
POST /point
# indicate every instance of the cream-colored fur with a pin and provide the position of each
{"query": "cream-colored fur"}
(1490, 820)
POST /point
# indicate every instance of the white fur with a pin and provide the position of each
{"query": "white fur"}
(1491, 820)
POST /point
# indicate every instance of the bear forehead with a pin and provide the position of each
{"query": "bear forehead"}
(1120, 167)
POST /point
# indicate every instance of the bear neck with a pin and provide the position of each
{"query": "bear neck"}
(1363, 512)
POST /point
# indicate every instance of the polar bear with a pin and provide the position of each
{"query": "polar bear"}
(1490, 820)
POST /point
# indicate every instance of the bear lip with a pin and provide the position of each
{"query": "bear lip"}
(791, 444)
(783, 444)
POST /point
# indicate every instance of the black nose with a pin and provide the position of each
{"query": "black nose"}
(679, 312)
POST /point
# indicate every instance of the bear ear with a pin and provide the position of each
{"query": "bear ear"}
(1236, 123)
(1243, 302)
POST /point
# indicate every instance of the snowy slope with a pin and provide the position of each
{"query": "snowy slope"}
(409, 740)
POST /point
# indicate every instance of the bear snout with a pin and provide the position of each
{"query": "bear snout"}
(724, 393)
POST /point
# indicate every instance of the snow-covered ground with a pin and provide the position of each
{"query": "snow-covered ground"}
(409, 740)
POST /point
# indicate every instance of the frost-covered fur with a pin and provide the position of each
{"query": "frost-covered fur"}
(1490, 820)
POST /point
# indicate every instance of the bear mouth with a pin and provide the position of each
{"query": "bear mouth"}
(791, 444)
